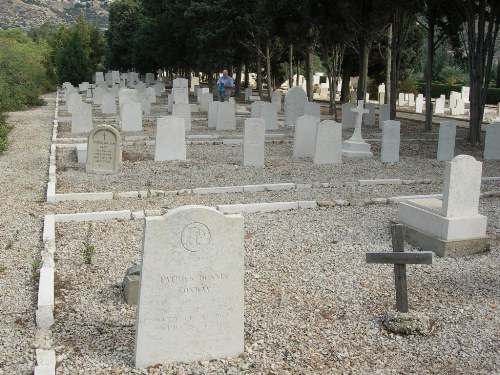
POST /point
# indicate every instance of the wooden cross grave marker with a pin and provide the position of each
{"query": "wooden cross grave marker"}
(400, 259)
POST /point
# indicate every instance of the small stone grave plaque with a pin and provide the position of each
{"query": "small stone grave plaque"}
(103, 150)
(191, 293)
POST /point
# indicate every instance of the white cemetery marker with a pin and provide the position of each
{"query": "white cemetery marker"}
(151, 94)
(205, 100)
(492, 142)
(348, 117)
(248, 93)
(384, 114)
(312, 109)
(253, 141)
(194, 81)
(108, 106)
(446, 141)
(305, 137)
(150, 79)
(191, 299)
(381, 88)
(145, 101)
(419, 104)
(411, 100)
(390, 142)
(98, 94)
(359, 111)
(81, 118)
(255, 109)
(277, 99)
(183, 110)
(465, 93)
(103, 150)
(212, 114)
(401, 99)
(269, 113)
(226, 116)
(180, 90)
(439, 107)
(170, 139)
(370, 116)
(99, 77)
(454, 96)
(295, 100)
(381, 98)
(131, 117)
(159, 87)
(459, 108)
(328, 143)
(74, 100)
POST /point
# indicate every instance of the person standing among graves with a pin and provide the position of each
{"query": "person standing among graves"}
(225, 84)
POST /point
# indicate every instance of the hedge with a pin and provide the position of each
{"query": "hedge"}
(438, 89)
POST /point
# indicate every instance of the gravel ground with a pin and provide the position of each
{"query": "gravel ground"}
(312, 304)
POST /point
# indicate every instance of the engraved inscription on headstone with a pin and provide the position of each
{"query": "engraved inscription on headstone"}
(195, 237)
(103, 150)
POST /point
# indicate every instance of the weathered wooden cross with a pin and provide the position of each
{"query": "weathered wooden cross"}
(400, 259)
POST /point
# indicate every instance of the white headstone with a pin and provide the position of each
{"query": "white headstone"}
(126, 96)
(381, 88)
(454, 96)
(384, 114)
(305, 137)
(381, 98)
(104, 153)
(170, 102)
(140, 86)
(133, 78)
(83, 87)
(159, 87)
(150, 79)
(401, 99)
(115, 75)
(226, 116)
(411, 100)
(419, 104)
(194, 81)
(295, 100)
(446, 141)
(150, 92)
(183, 111)
(108, 106)
(269, 113)
(356, 146)
(390, 142)
(328, 143)
(74, 100)
(439, 107)
(170, 139)
(370, 116)
(205, 100)
(108, 78)
(459, 108)
(253, 141)
(312, 109)
(81, 118)
(145, 101)
(255, 109)
(348, 116)
(492, 142)
(131, 117)
(180, 90)
(99, 77)
(465, 93)
(462, 186)
(191, 299)
(212, 114)
(248, 94)
(277, 99)
(98, 94)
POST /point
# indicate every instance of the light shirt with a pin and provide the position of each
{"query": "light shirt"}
(223, 81)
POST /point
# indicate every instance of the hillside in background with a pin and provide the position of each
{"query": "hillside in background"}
(26, 14)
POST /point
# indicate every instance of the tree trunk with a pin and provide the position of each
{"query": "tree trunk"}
(309, 74)
(364, 50)
(429, 59)
(237, 81)
(259, 77)
(394, 78)
(247, 75)
(290, 66)
(268, 72)
(387, 98)
(498, 73)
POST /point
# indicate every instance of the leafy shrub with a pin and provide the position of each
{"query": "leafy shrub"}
(408, 86)
(453, 74)
(4, 130)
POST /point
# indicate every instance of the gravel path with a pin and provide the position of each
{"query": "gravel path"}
(312, 304)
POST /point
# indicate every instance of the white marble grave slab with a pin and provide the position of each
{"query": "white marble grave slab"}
(254, 140)
(391, 131)
(328, 143)
(170, 139)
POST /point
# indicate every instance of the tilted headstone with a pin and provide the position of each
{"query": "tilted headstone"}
(104, 153)
(170, 139)
(328, 143)
(253, 141)
(312, 109)
(391, 134)
(295, 100)
(305, 137)
(108, 106)
(277, 100)
(384, 114)
(369, 119)
(205, 100)
(191, 300)
(131, 117)
(226, 116)
(348, 117)
(439, 107)
(81, 118)
(183, 111)
(446, 141)
(419, 104)
(492, 142)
